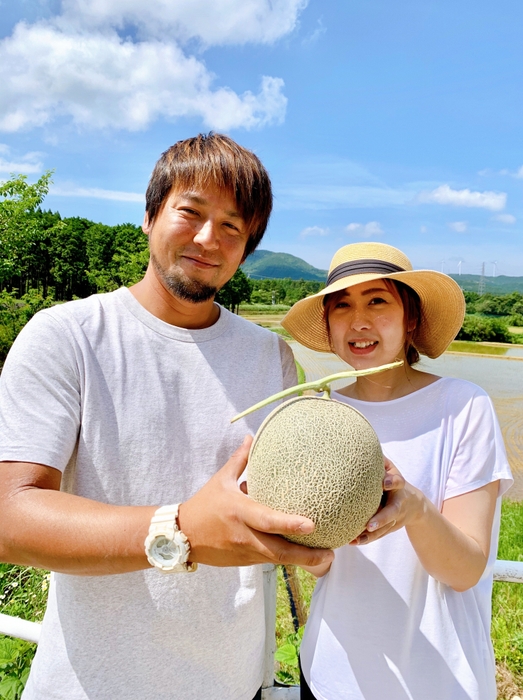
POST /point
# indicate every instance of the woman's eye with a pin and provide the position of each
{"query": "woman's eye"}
(377, 300)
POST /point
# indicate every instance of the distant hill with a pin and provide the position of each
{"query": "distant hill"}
(494, 285)
(263, 264)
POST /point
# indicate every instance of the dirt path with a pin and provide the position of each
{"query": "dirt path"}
(509, 410)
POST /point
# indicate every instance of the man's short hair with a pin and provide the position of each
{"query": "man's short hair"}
(214, 160)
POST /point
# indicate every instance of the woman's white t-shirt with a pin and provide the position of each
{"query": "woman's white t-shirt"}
(381, 628)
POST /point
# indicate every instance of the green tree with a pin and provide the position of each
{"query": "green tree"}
(24, 239)
(14, 314)
(117, 255)
(237, 289)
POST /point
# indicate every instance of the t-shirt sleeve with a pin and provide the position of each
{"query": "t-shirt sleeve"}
(479, 455)
(288, 364)
(40, 395)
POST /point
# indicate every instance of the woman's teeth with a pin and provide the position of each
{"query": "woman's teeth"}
(364, 344)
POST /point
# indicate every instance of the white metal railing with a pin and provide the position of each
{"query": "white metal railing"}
(508, 571)
(30, 631)
(16, 627)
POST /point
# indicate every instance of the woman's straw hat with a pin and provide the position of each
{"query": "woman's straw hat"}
(442, 301)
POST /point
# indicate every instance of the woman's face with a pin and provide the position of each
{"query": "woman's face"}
(366, 325)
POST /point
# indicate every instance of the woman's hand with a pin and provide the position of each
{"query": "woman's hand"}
(403, 506)
(452, 544)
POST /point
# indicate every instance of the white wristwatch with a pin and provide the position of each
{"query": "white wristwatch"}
(166, 547)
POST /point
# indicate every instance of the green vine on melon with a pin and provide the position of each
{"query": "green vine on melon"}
(320, 385)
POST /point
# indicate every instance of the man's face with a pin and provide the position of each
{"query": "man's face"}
(196, 242)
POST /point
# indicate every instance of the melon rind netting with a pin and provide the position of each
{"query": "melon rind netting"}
(321, 459)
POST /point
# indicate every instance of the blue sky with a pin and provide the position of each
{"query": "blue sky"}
(377, 119)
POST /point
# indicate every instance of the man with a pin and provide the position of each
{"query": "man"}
(114, 406)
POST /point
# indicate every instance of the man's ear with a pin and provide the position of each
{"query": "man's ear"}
(146, 226)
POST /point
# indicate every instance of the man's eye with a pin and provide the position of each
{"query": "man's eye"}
(232, 227)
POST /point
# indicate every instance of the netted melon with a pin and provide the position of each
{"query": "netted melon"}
(318, 458)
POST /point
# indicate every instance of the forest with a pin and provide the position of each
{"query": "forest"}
(46, 259)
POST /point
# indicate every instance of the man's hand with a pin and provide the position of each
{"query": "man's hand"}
(226, 528)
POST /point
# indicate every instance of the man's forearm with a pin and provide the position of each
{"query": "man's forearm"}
(44, 527)
(73, 535)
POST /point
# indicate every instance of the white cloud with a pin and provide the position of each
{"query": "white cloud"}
(505, 218)
(28, 164)
(369, 230)
(329, 196)
(314, 231)
(96, 193)
(103, 81)
(314, 36)
(209, 21)
(505, 171)
(465, 198)
(459, 226)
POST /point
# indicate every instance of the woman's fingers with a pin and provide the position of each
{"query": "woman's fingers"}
(389, 517)
(393, 480)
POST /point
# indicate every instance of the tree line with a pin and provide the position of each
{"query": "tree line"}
(46, 259)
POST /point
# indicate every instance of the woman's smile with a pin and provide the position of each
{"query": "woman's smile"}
(366, 324)
(362, 347)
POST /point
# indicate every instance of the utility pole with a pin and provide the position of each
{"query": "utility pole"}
(494, 263)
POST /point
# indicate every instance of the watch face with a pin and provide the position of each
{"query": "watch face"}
(165, 550)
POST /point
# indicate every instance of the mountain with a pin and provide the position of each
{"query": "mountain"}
(494, 285)
(263, 264)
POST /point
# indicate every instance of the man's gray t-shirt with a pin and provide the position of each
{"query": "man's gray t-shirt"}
(135, 411)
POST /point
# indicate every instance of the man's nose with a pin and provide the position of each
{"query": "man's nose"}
(207, 236)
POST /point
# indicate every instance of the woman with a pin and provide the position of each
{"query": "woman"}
(407, 616)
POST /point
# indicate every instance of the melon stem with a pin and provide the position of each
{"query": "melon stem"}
(318, 385)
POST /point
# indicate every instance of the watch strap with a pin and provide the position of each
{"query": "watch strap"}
(165, 523)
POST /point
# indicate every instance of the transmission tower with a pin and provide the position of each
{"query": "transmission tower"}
(481, 285)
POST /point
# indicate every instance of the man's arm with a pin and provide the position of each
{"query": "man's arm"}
(44, 527)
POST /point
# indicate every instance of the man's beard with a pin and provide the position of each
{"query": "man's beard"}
(179, 284)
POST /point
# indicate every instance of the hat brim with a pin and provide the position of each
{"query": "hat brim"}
(442, 311)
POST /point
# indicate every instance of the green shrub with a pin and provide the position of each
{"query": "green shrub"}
(481, 328)
(246, 309)
(515, 320)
